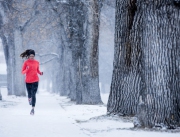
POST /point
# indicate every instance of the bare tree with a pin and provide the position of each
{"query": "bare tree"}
(8, 31)
(25, 24)
(79, 52)
(76, 33)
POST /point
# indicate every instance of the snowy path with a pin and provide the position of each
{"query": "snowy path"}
(49, 120)
(58, 117)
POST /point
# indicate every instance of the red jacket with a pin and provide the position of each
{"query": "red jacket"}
(31, 69)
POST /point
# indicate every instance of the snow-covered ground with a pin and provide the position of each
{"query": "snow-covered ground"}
(57, 116)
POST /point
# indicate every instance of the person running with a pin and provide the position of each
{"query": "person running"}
(31, 69)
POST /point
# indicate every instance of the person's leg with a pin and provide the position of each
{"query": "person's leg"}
(29, 88)
(34, 90)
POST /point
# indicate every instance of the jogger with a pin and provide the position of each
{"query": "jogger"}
(31, 69)
(32, 89)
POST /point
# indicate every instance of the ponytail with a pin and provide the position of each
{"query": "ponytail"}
(26, 53)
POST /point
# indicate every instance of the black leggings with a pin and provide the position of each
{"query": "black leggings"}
(32, 89)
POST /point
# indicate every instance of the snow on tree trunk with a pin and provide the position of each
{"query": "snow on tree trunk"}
(125, 84)
(160, 97)
(66, 83)
(12, 47)
(19, 86)
(84, 35)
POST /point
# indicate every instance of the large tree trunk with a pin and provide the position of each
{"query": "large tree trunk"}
(160, 99)
(146, 64)
(91, 78)
(125, 84)
(19, 86)
(12, 43)
(84, 35)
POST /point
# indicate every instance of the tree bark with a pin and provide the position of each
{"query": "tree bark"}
(160, 100)
(125, 84)
(84, 35)
(12, 46)
(146, 75)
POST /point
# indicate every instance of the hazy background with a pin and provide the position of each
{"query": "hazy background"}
(106, 53)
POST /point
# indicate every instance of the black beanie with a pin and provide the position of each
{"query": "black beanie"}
(31, 52)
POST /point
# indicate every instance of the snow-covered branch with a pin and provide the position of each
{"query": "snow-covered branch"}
(48, 54)
(47, 61)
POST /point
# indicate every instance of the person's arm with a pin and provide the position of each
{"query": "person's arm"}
(24, 68)
(38, 71)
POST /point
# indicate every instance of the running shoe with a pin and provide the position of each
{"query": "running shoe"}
(32, 112)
